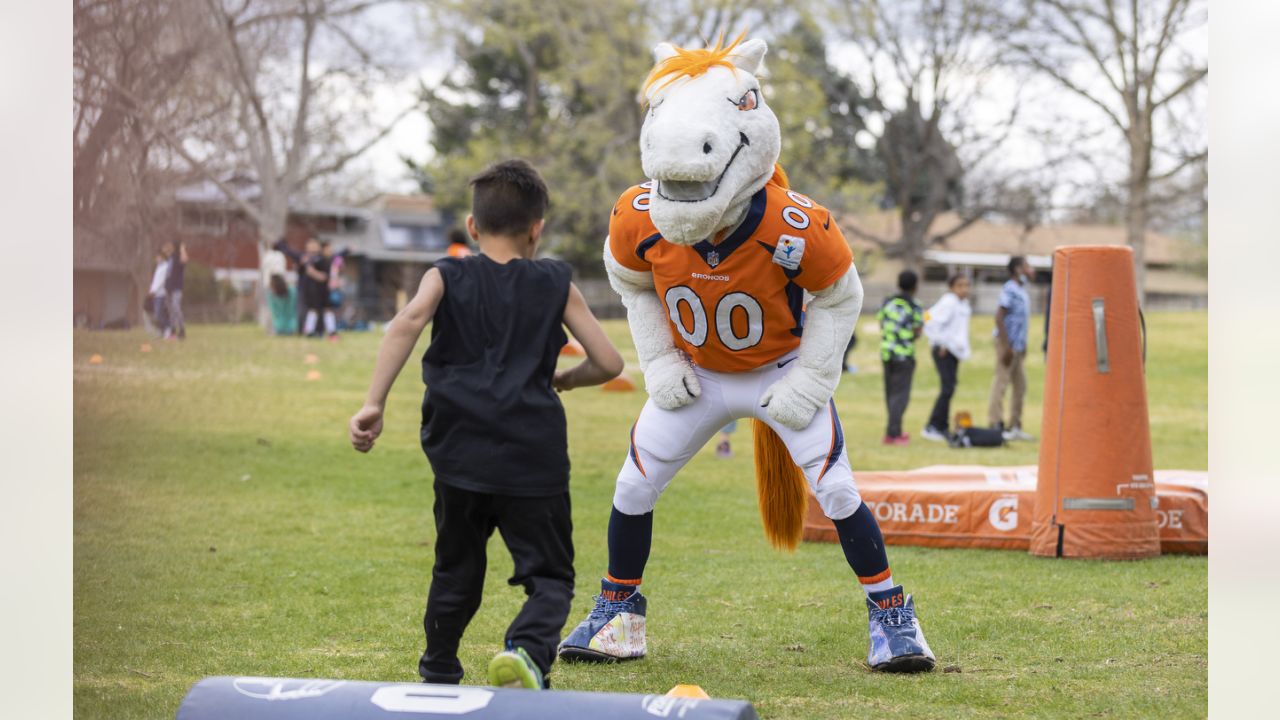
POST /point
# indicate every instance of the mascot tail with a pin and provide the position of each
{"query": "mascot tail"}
(781, 487)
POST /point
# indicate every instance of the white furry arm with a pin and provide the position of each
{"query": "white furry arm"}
(668, 376)
(828, 324)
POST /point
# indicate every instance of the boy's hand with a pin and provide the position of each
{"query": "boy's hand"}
(365, 427)
(563, 380)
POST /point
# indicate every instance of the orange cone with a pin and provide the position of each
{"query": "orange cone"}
(688, 691)
(146, 347)
(573, 348)
(95, 359)
(1095, 496)
(619, 384)
(313, 375)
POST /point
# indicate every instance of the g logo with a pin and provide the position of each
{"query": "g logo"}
(1003, 515)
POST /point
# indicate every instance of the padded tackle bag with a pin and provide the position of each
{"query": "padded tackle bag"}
(1096, 496)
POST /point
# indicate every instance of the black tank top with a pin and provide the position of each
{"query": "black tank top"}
(491, 421)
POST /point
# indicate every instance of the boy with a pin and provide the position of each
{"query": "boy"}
(492, 426)
(948, 331)
(901, 320)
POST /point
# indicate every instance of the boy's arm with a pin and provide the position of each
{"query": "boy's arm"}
(315, 274)
(603, 362)
(283, 247)
(402, 335)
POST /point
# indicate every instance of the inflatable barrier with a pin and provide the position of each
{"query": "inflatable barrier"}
(258, 698)
(972, 506)
(1096, 496)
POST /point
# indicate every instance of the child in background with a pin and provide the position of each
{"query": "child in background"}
(723, 449)
(493, 428)
(947, 328)
(283, 302)
(900, 323)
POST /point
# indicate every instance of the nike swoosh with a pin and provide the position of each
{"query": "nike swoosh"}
(784, 362)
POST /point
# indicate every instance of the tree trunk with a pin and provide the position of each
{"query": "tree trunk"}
(1137, 232)
(1136, 210)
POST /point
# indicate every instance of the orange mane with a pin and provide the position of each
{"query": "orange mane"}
(691, 63)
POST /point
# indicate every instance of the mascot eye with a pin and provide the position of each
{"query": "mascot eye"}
(749, 101)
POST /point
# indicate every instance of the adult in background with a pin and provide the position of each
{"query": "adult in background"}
(155, 295)
(947, 328)
(173, 285)
(901, 320)
(313, 281)
(1012, 319)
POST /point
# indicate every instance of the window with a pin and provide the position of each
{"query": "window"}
(203, 221)
(415, 237)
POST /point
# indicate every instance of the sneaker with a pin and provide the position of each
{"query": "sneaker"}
(932, 433)
(897, 643)
(889, 440)
(1016, 433)
(851, 369)
(723, 450)
(903, 439)
(513, 668)
(614, 629)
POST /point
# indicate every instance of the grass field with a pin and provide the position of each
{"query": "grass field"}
(223, 525)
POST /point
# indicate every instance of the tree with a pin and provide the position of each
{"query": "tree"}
(554, 83)
(129, 58)
(822, 114)
(927, 61)
(1130, 48)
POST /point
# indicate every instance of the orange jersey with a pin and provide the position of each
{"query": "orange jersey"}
(739, 303)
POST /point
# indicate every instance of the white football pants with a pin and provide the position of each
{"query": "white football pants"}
(662, 441)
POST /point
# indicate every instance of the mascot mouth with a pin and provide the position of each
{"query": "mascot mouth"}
(691, 191)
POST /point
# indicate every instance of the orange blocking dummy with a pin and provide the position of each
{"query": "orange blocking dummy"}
(1095, 496)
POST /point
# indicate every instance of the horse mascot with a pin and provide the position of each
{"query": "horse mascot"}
(741, 296)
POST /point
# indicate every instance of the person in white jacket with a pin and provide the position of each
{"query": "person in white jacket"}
(947, 328)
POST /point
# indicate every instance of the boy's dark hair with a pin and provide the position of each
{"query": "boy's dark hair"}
(457, 236)
(508, 198)
(1015, 262)
(907, 281)
(279, 286)
(951, 281)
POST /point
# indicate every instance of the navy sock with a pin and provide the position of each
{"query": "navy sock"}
(630, 537)
(863, 547)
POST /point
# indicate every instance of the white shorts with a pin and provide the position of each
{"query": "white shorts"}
(662, 441)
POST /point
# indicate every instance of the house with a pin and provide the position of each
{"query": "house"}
(982, 251)
(389, 242)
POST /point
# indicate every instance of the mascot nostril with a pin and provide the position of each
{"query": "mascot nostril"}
(741, 296)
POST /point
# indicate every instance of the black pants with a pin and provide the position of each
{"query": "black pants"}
(897, 391)
(948, 367)
(538, 531)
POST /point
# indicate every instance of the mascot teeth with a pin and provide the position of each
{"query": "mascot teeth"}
(694, 190)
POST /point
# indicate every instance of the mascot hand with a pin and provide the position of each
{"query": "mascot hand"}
(671, 382)
(796, 398)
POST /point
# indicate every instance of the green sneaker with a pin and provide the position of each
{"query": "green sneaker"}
(514, 668)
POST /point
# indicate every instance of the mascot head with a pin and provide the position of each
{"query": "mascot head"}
(708, 142)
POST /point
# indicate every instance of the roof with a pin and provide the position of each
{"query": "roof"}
(985, 237)
(385, 254)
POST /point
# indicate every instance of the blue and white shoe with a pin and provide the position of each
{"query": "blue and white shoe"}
(897, 642)
(613, 630)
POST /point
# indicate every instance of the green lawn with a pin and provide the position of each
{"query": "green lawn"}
(223, 525)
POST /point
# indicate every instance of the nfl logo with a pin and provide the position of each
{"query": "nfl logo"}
(713, 258)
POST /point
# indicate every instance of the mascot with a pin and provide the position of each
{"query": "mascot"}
(741, 295)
